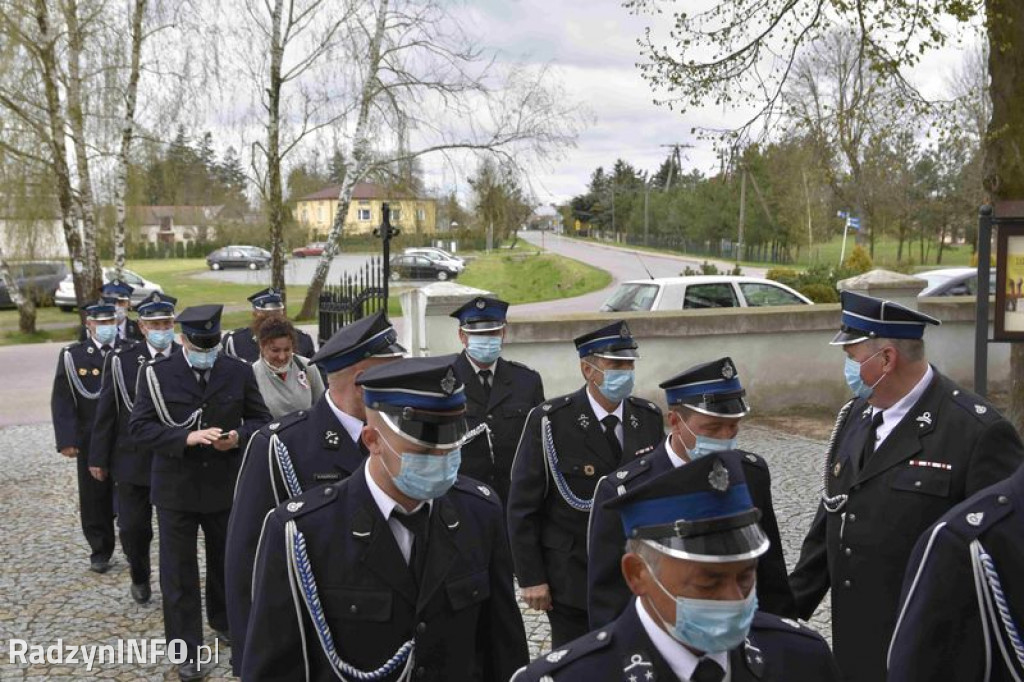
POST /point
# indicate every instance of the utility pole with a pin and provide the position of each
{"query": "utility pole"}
(647, 197)
(676, 161)
(743, 213)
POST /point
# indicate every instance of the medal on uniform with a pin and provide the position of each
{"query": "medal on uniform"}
(95, 372)
(836, 468)
(82, 371)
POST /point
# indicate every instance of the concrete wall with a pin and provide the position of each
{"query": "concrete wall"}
(782, 353)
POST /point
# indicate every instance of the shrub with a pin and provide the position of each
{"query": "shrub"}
(859, 261)
(819, 293)
(786, 276)
(974, 260)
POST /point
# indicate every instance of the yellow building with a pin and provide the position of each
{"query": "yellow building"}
(316, 211)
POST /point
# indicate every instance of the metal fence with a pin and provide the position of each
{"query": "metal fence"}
(357, 295)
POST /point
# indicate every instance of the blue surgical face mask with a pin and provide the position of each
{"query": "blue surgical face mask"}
(120, 314)
(202, 359)
(710, 625)
(617, 383)
(707, 445)
(160, 338)
(853, 379)
(105, 333)
(425, 477)
(483, 349)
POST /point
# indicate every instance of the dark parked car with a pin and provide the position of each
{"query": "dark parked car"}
(36, 279)
(252, 257)
(411, 266)
(310, 250)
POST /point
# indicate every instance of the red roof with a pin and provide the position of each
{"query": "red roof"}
(362, 190)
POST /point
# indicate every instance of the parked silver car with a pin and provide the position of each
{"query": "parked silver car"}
(65, 297)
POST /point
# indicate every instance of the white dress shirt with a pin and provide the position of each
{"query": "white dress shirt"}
(892, 417)
(153, 352)
(353, 427)
(675, 459)
(601, 413)
(403, 536)
(682, 661)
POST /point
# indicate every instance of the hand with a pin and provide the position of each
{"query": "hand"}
(69, 451)
(538, 597)
(99, 473)
(229, 443)
(204, 437)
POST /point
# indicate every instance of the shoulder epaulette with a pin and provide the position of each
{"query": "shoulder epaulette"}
(476, 489)
(768, 621)
(753, 459)
(973, 519)
(287, 420)
(630, 470)
(644, 404)
(976, 406)
(573, 651)
(522, 366)
(309, 501)
(549, 406)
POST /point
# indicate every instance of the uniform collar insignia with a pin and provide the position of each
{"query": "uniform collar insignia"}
(332, 439)
(753, 658)
(638, 669)
(925, 419)
(975, 518)
(634, 422)
(719, 477)
(980, 409)
(294, 506)
(583, 420)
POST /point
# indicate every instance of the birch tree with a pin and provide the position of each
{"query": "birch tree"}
(416, 71)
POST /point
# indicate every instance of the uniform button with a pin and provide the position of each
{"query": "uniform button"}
(917, 484)
(847, 584)
(421, 628)
(851, 517)
(1003, 499)
(353, 609)
(206, 464)
(476, 593)
(847, 552)
(490, 416)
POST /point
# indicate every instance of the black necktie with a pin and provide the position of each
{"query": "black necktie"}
(104, 349)
(869, 444)
(418, 524)
(610, 422)
(201, 378)
(485, 379)
(707, 670)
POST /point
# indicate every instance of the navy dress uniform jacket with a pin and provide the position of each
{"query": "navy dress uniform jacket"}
(464, 619)
(776, 650)
(196, 478)
(516, 389)
(73, 414)
(942, 633)
(950, 445)
(242, 344)
(548, 536)
(113, 447)
(320, 451)
(607, 592)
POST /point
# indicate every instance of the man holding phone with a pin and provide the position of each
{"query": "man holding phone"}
(195, 411)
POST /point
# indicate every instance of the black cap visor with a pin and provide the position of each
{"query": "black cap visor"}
(745, 540)
(848, 336)
(433, 430)
(730, 406)
(477, 326)
(204, 341)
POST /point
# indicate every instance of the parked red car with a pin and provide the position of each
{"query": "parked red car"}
(310, 250)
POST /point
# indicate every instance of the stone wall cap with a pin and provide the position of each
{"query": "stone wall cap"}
(881, 279)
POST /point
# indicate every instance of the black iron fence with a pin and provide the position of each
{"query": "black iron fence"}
(357, 295)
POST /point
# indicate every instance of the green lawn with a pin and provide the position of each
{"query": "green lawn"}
(524, 277)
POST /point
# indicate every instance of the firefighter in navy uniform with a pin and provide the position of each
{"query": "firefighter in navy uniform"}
(76, 390)
(568, 444)
(499, 393)
(113, 451)
(402, 570)
(963, 572)
(119, 295)
(691, 562)
(242, 343)
(706, 404)
(302, 450)
(195, 411)
(910, 446)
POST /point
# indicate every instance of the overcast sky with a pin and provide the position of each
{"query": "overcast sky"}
(592, 45)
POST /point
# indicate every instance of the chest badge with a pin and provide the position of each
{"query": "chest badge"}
(583, 420)
(95, 372)
(836, 468)
(82, 371)
(638, 669)
(90, 350)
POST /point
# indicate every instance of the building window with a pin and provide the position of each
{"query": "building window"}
(396, 215)
(321, 211)
(305, 215)
(421, 214)
(364, 214)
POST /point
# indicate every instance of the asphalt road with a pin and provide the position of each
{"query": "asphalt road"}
(622, 263)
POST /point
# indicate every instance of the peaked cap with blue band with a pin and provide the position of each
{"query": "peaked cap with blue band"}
(369, 337)
(866, 317)
(100, 311)
(201, 324)
(614, 342)
(116, 290)
(420, 398)
(712, 388)
(157, 306)
(268, 299)
(482, 314)
(701, 512)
